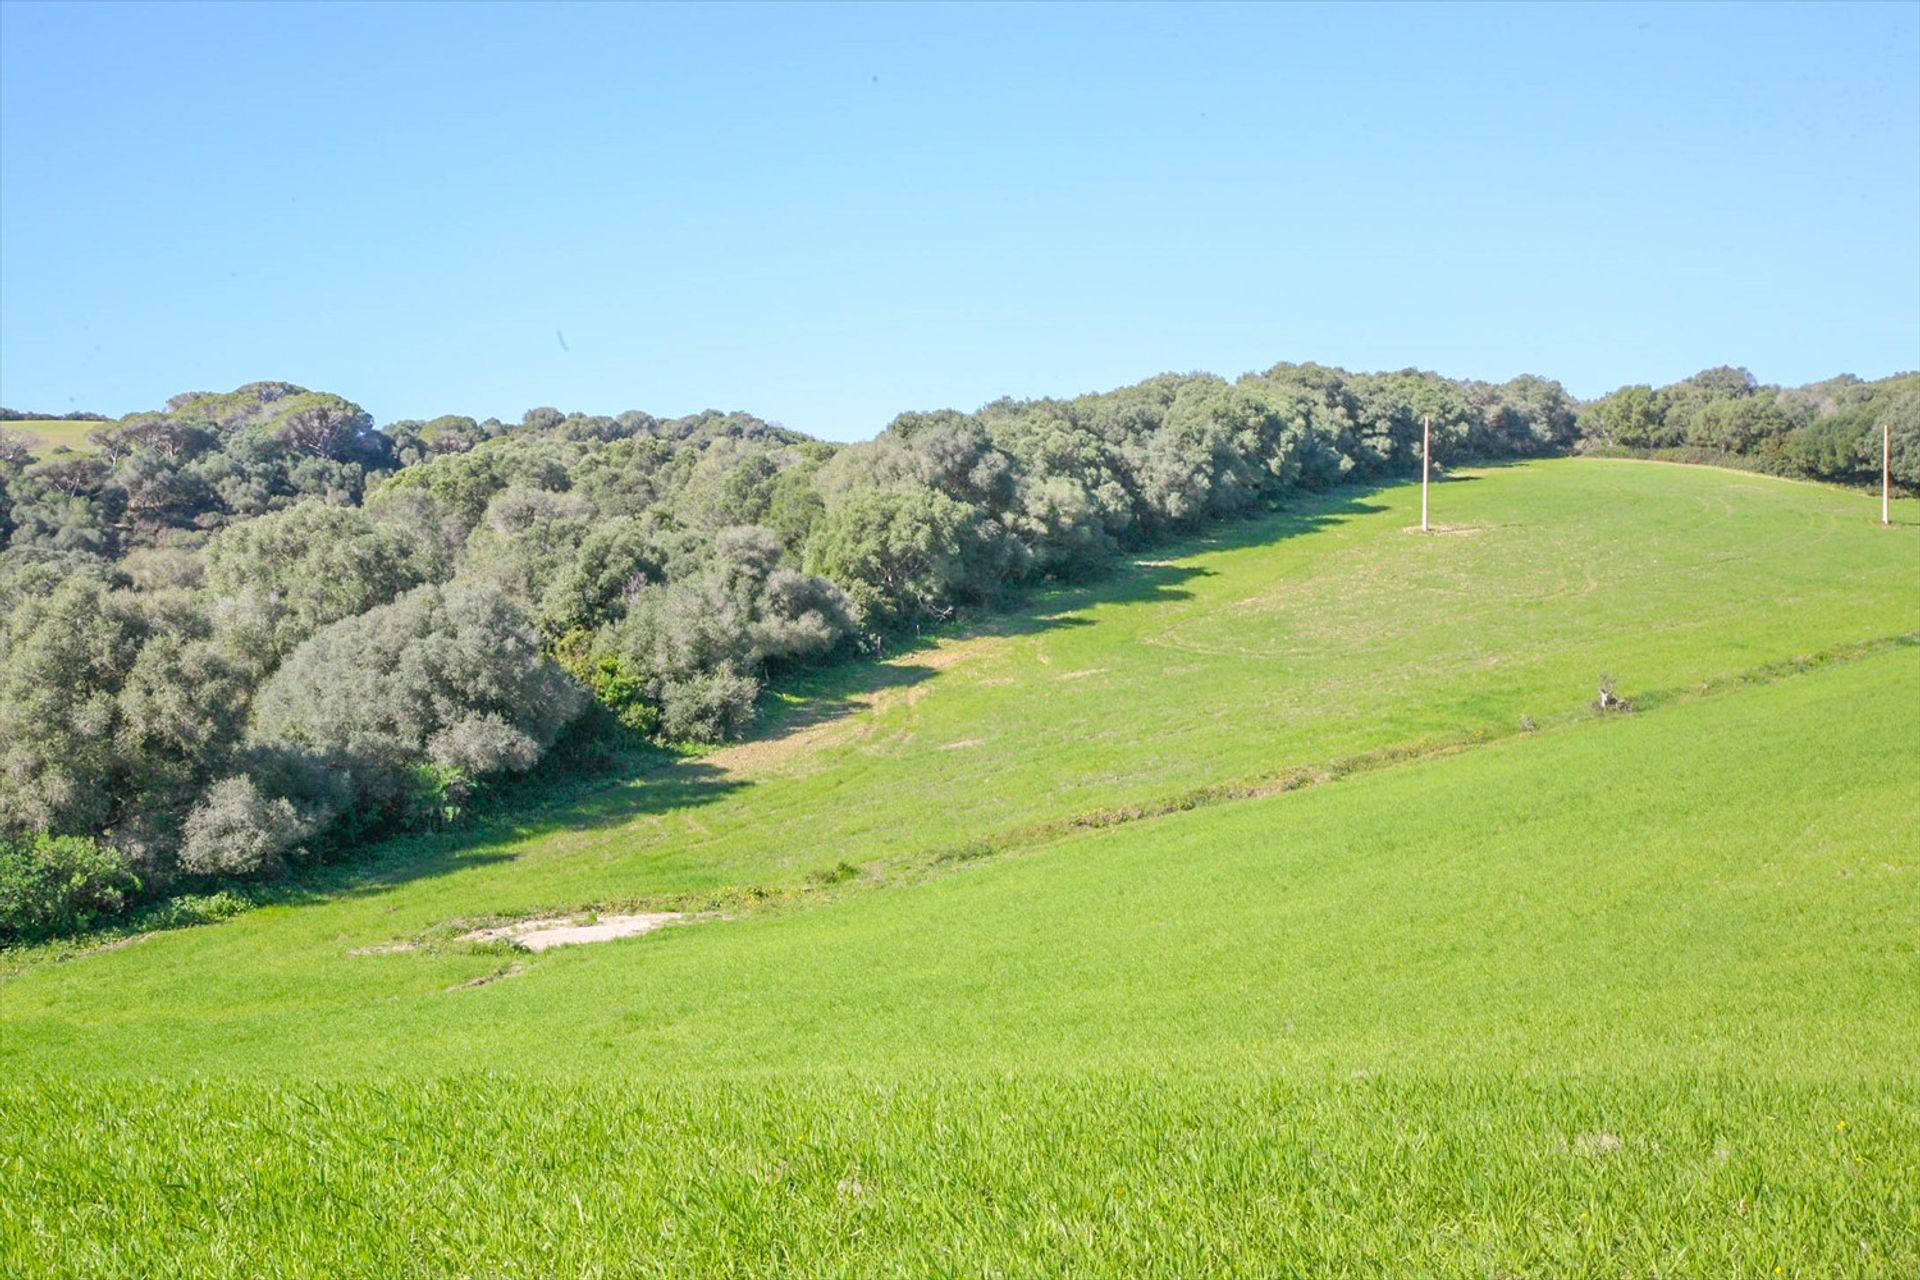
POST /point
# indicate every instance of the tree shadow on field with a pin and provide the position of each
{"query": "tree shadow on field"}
(650, 780)
(1143, 577)
(533, 807)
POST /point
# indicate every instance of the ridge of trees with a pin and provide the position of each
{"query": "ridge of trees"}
(1827, 430)
(24, 415)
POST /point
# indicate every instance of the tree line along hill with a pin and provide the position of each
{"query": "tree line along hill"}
(252, 630)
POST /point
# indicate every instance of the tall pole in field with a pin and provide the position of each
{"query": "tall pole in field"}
(1426, 469)
(1886, 471)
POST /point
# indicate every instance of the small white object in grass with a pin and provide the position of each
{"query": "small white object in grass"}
(539, 935)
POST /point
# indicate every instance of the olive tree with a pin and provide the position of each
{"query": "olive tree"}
(903, 554)
(115, 707)
(292, 572)
(449, 675)
(700, 644)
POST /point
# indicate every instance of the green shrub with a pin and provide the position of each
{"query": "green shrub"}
(184, 910)
(436, 795)
(709, 707)
(451, 676)
(236, 830)
(53, 885)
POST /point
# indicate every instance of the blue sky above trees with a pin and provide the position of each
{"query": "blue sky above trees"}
(829, 215)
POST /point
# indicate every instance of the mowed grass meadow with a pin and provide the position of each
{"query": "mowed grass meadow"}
(1279, 907)
(44, 435)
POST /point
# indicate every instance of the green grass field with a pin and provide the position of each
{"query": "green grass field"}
(44, 435)
(1219, 919)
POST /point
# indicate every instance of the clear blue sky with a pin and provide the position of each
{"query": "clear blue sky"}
(828, 215)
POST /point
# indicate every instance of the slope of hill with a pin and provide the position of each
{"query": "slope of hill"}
(44, 435)
(1283, 905)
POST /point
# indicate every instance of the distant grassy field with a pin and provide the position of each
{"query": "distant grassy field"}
(1222, 919)
(47, 434)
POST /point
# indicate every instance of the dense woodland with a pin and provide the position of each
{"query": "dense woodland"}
(1823, 431)
(252, 630)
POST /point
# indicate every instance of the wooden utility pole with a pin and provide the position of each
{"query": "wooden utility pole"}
(1886, 471)
(1426, 469)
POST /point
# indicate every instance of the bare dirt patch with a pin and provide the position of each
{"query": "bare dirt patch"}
(954, 653)
(803, 737)
(764, 754)
(562, 931)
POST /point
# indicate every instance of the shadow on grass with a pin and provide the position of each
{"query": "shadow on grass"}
(546, 802)
(644, 780)
(634, 779)
(649, 780)
(1149, 575)
(536, 807)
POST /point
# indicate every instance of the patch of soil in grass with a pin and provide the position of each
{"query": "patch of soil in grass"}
(561, 931)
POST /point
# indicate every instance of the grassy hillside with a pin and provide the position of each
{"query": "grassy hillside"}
(48, 434)
(1224, 918)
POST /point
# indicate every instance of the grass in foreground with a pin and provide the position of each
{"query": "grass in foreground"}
(1627, 999)
(978, 1176)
